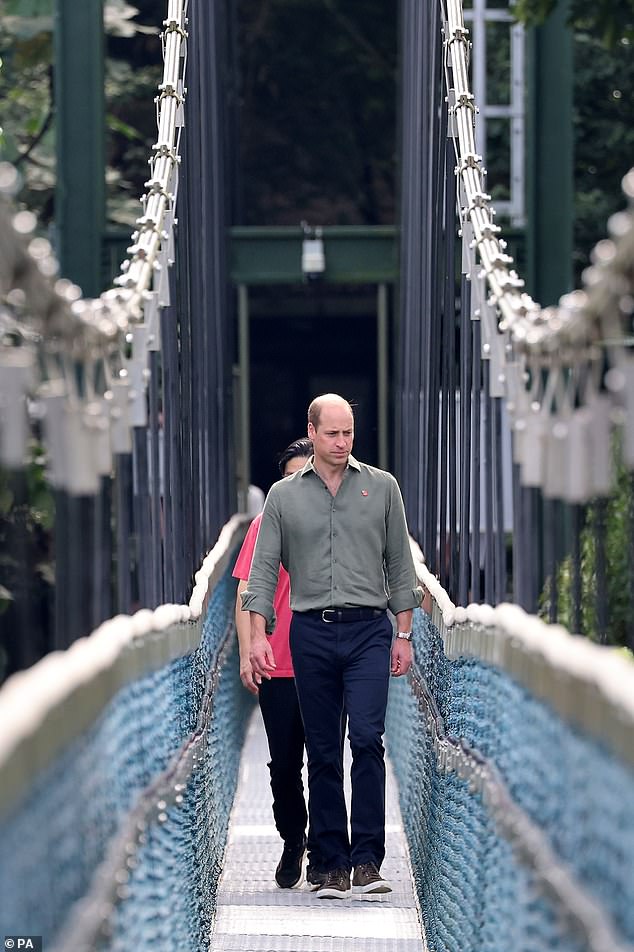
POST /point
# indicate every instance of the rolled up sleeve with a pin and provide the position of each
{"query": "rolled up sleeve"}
(404, 593)
(262, 582)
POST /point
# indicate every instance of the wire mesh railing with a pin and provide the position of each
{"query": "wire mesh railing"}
(513, 741)
(513, 748)
(126, 397)
(513, 744)
(118, 764)
(516, 425)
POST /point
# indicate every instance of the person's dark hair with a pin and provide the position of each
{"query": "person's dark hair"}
(302, 448)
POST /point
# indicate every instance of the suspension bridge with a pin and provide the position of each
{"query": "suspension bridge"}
(126, 819)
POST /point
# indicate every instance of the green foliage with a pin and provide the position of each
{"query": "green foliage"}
(318, 111)
(603, 109)
(27, 510)
(609, 20)
(616, 516)
(28, 9)
(625, 653)
(27, 137)
(604, 136)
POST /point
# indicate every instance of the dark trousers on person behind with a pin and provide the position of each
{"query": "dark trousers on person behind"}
(285, 735)
(337, 665)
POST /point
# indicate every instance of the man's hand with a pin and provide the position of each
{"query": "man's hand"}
(401, 657)
(246, 675)
(261, 654)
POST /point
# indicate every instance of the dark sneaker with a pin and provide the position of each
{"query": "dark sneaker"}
(290, 867)
(367, 879)
(336, 885)
(314, 877)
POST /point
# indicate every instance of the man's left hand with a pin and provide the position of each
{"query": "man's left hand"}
(401, 657)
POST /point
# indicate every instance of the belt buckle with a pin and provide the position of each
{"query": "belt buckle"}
(328, 621)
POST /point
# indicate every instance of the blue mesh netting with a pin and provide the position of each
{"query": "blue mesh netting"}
(474, 893)
(55, 839)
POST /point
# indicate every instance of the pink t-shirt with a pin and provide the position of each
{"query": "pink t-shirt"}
(281, 602)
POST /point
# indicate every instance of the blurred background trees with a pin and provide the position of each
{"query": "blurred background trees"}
(314, 108)
(27, 111)
(316, 85)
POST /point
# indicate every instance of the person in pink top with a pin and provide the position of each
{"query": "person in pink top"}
(279, 704)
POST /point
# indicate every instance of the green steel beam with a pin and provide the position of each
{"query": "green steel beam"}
(354, 255)
(79, 101)
(550, 169)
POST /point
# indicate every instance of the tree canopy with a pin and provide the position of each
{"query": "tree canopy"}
(27, 137)
(609, 20)
(317, 111)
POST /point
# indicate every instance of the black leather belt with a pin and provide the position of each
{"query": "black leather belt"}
(346, 614)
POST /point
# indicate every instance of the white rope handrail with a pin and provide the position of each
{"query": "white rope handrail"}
(45, 707)
(589, 685)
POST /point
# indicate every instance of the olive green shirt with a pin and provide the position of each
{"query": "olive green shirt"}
(351, 549)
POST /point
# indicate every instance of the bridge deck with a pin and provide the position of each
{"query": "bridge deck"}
(255, 916)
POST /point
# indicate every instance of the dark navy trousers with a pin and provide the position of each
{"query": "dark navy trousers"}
(344, 665)
(285, 734)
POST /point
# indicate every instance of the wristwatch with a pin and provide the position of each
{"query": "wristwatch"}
(405, 635)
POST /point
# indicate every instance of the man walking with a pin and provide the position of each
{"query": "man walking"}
(338, 527)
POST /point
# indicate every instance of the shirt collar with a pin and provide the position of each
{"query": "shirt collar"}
(309, 465)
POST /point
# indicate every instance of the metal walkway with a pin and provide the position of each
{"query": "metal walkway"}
(253, 915)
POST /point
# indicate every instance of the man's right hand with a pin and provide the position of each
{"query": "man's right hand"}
(261, 654)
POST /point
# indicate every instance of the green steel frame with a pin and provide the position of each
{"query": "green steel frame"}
(80, 136)
(549, 162)
(266, 256)
(354, 255)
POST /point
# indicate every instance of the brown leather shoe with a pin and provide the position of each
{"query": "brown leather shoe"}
(367, 879)
(336, 885)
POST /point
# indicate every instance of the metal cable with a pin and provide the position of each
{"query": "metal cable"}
(52, 317)
(570, 335)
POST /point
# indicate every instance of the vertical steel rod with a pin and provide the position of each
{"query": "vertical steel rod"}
(244, 437)
(466, 354)
(382, 375)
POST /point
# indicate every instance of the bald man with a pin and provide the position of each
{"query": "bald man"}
(338, 527)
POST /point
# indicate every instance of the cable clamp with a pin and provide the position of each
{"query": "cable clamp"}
(459, 35)
(164, 150)
(169, 91)
(488, 232)
(501, 261)
(479, 200)
(147, 224)
(465, 101)
(173, 26)
(512, 282)
(471, 160)
(156, 187)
